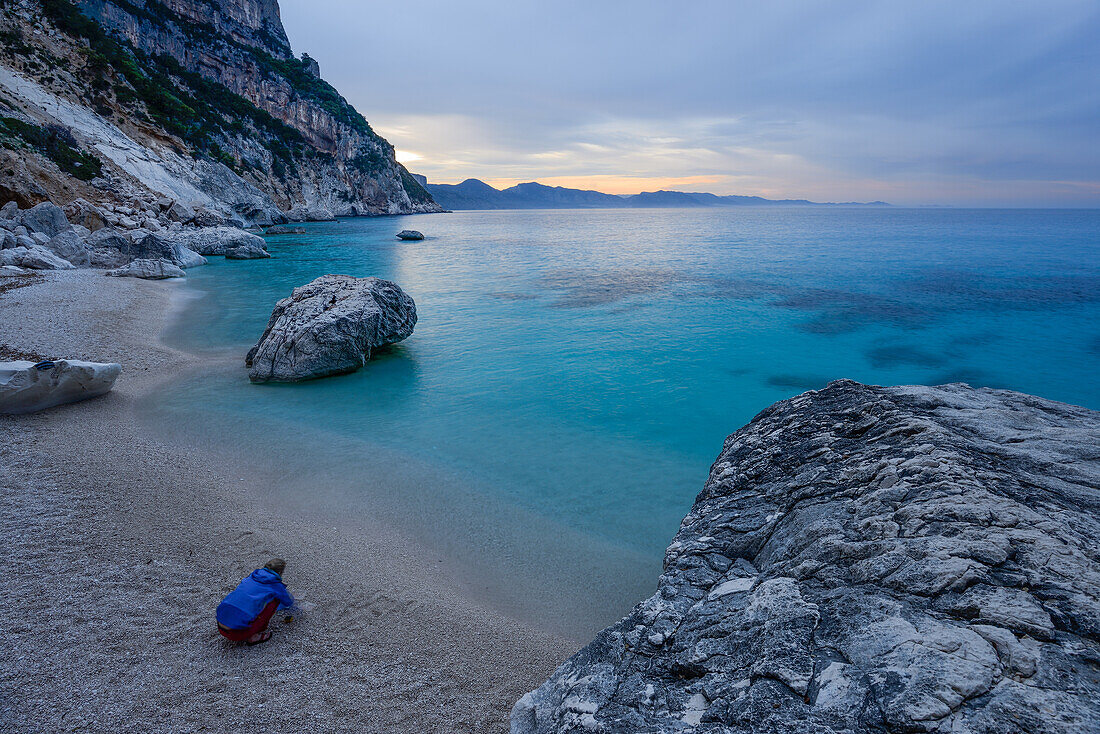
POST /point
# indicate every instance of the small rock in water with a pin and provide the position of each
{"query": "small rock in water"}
(409, 234)
(285, 229)
(26, 387)
(329, 327)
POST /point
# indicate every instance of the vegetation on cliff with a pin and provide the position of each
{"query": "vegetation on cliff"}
(56, 143)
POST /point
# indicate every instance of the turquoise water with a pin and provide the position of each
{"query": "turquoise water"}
(574, 373)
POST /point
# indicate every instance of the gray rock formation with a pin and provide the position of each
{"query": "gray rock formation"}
(70, 246)
(284, 229)
(86, 214)
(35, 257)
(148, 270)
(302, 213)
(329, 327)
(246, 252)
(409, 234)
(867, 559)
(216, 240)
(25, 388)
(46, 218)
(113, 249)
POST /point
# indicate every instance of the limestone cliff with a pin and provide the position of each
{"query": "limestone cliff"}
(206, 93)
(867, 559)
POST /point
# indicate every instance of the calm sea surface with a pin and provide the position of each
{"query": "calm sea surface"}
(574, 373)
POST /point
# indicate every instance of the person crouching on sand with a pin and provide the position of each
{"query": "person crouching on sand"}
(244, 613)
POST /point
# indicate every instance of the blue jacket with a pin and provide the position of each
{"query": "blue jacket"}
(245, 602)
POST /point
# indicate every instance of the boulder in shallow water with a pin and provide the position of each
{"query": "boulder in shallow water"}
(329, 327)
(26, 387)
(866, 559)
(409, 234)
(148, 270)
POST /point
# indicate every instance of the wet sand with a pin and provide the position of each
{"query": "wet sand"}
(119, 546)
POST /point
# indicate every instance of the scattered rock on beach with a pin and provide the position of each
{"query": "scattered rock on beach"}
(45, 218)
(70, 246)
(86, 214)
(866, 559)
(329, 327)
(113, 249)
(409, 234)
(148, 270)
(35, 257)
(27, 388)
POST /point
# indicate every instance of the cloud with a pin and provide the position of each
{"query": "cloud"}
(936, 102)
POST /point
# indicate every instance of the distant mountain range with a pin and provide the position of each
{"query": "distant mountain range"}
(475, 194)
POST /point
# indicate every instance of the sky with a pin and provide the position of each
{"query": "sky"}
(973, 103)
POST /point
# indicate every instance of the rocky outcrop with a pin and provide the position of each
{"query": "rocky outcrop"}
(409, 234)
(26, 387)
(329, 327)
(148, 270)
(867, 559)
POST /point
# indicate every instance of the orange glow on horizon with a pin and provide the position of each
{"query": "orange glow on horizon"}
(607, 184)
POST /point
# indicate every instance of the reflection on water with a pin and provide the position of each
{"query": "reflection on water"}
(583, 367)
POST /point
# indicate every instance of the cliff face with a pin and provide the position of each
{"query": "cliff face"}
(867, 559)
(216, 81)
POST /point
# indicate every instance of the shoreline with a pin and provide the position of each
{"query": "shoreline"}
(125, 544)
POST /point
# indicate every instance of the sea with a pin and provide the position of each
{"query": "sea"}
(573, 373)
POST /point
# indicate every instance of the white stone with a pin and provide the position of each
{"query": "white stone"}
(148, 270)
(24, 388)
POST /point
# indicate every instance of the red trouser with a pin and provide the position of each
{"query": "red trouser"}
(259, 624)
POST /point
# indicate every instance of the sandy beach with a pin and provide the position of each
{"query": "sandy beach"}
(119, 547)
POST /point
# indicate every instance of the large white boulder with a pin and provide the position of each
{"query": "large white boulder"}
(26, 387)
(329, 327)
